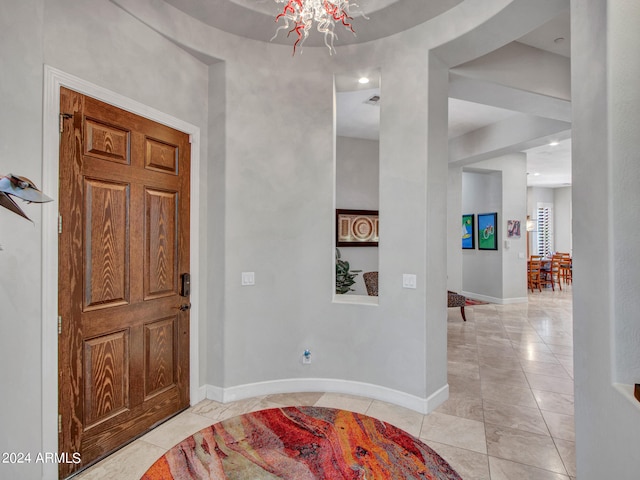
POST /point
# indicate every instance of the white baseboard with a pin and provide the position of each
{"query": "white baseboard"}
(200, 394)
(499, 301)
(329, 385)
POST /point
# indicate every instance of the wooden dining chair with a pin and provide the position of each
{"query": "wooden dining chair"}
(534, 274)
(553, 274)
(566, 268)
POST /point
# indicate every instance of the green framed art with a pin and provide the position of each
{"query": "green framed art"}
(488, 231)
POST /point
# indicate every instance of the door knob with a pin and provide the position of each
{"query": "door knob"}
(184, 307)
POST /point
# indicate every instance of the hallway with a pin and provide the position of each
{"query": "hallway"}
(509, 413)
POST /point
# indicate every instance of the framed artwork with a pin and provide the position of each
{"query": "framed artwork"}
(356, 228)
(468, 226)
(487, 231)
(513, 228)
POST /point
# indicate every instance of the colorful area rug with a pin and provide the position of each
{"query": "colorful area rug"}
(469, 302)
(301, 443)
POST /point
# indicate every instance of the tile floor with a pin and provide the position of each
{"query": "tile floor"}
(509, 414)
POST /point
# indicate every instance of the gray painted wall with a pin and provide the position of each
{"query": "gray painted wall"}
(482, 269)
(561, 200)
(86, 39)
(496, 185)
(20, 258)
(562, 212)
(605, 170)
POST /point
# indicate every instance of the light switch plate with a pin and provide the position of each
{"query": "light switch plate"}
(408, 280)
(248, 278)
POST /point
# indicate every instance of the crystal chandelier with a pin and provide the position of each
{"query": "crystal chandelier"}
(299, 15)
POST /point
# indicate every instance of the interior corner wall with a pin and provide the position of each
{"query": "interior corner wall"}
(562, 229)
(497, 185)
(212, 336)
(454, 215)
(357, 188)
(605, 175)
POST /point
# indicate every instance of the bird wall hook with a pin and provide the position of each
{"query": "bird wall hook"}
(23, 188)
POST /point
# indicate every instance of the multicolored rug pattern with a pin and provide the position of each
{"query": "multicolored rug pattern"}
(301, 443)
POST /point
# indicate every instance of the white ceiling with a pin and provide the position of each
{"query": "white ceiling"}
(547, 166)
(255, 19)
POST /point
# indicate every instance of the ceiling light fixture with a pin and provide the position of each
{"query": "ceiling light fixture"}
(554, 144)
(299, 16)
(363, 80)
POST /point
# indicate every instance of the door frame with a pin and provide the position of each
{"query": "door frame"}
(53, 80)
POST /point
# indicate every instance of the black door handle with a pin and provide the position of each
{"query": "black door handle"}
(184, 307)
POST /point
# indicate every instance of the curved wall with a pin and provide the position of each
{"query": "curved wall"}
(278, 208)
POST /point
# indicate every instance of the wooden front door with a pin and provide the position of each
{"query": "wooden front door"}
(123, 247)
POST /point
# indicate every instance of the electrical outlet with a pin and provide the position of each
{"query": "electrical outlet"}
(306, 357)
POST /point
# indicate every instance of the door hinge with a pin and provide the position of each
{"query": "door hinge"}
(61, 120)
(59, 324)
(59, 423)
(59, 223)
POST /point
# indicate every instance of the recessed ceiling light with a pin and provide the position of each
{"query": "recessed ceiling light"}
(363, 80)
(554, 144)
(559, 40)
(537, 174)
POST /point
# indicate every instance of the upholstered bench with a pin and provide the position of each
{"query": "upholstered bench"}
(456, 300)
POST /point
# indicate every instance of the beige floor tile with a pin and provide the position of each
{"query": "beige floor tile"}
(564, 340)
(493, 340)
(515, 416)
(544, 368)
(508, 394)
(454, 431)
(464, 369)
(537, 356)
(295, 399)
(504, 375)
(209, 408)
(524, 347)
(497, 361)
(464, 385)
(177, 429)
(524, 447)
(554, 402)
(346, 402)
(245, 406)
(505, 470)
(561, 426)
(469, 465)
(463, 405)
(408, 420)
(129, 463)
(548, 383)
(567, 452)
(562, 350)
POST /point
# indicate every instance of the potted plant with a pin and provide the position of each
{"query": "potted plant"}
(345, 277)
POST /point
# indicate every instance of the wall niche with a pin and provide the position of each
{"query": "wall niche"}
(357, 110)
